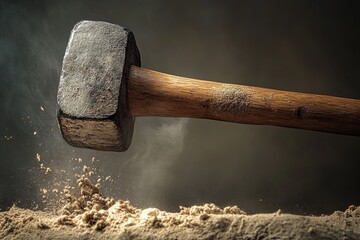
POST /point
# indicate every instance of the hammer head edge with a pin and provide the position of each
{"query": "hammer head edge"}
(93, 109)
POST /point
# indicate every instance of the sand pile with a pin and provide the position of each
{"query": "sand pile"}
(84, 213)
(123, 221)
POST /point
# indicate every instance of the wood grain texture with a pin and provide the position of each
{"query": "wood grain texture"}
(157, 94)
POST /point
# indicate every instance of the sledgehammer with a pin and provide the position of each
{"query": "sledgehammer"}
(103, 88)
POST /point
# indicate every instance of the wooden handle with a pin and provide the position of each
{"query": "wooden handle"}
(157, 94)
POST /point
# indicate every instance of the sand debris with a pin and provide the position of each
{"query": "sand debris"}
(48, 170)
(86, 169)
(85, 213)
(8, 137)
(121, 220)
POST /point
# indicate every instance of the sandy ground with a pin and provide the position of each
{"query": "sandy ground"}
(82, 212)
(123, 221)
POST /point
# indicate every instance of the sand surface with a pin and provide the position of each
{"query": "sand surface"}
(82, 212)
(122, 221)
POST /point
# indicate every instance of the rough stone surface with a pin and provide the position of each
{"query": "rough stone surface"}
(93, 86)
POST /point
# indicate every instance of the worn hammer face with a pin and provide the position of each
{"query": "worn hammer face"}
(93, 109)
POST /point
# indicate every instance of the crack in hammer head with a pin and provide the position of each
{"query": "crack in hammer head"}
(93, 110)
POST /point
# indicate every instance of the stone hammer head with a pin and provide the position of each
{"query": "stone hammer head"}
(93, 110)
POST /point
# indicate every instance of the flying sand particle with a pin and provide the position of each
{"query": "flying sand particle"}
(38, 157)
(48, 170)
(85, 169)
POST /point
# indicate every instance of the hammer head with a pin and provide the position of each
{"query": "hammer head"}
(93, 110)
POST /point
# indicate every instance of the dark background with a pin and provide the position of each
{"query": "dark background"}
(307, 46)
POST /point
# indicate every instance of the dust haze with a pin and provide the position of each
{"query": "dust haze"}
(302, 46)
